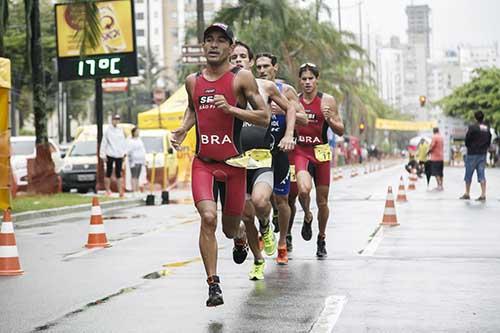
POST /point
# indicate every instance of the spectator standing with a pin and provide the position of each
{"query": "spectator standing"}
(422, 151)
(437, 157)
(113, 150)
(477, 140)
(136, 153)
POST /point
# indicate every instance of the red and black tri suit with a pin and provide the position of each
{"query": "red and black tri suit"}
(217, 139)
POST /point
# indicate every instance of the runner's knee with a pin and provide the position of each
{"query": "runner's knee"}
(209, 220)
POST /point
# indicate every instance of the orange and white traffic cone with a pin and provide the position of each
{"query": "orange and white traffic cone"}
(353, 172)
(411, 186)
(97, 234)
(390, 219)
(9, 257)
(335, 177)
(340, 174)
(401, 191)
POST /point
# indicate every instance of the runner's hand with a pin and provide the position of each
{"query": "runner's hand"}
(327, 112)
(275, 109)
(178, 136)
(221, 103)
(287, 143)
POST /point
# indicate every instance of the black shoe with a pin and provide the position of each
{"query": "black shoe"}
(321, 252)
(289, 245)
(240, 251)
(214, 292)
(276, 222)
(306, 230)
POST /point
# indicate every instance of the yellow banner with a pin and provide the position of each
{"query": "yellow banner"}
(401, 125)
(115, 18)
(4, 73)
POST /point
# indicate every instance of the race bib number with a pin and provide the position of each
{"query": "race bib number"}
(323, 153)
(252, 159)
(293, 177)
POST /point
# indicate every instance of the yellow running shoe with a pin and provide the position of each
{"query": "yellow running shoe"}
(257, 272)
(269, 239)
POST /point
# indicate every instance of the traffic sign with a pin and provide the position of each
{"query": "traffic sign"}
(115, 85)
(193, 54)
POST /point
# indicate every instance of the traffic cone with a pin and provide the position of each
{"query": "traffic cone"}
(97, 234)
(353, 173)
(334, 177)
(341, 173)
(390, 218)
(401, 191)
(411, 186)
(9, 257)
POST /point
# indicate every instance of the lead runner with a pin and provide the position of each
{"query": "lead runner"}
(218, 96)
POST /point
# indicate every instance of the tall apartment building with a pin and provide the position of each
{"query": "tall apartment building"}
(443, 76)
(416, 53)
(390, 73)
(472, 57)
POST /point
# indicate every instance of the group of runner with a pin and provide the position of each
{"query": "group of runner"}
(259, 146)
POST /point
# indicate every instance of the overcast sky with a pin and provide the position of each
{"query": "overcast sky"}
(476, 22)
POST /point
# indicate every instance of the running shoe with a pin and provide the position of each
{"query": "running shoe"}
(257, 272)
(214, 292)
(240, 250)
(282, 258)
(289, 245)
(276, 222)
(306, 230)
(269, 239)
(321, 252)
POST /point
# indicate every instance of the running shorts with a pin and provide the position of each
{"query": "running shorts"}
(261, 175)
(213, 179)
(304, 158)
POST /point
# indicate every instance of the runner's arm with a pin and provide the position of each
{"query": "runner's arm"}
(247, 86)
(188, 121)
(293, 97)
(332, 115)
(287, 143)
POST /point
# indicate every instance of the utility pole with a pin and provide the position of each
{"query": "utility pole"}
(200, 20)
(338, 12)
(369, 55)
(361, 38)
(149, 84)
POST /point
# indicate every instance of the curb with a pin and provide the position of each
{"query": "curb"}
(61, 211)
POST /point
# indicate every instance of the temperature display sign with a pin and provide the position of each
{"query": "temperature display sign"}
(114, 56)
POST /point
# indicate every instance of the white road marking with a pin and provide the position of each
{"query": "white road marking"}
(82, 253)
(375, 242)
(330, 314)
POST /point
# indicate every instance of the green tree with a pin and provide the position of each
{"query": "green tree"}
(482, 93)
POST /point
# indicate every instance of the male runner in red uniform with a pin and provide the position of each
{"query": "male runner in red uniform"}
(312, 148)
(218, 96)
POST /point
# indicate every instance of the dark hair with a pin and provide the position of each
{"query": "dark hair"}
(249, 50)
(134, 130)
(274, 59)
(479, 115)
(308, 66)
(435, 130)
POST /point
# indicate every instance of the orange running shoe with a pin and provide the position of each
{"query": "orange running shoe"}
(282, 258)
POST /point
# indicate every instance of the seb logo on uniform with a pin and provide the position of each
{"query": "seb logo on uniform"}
(310, 115)
(207, 102)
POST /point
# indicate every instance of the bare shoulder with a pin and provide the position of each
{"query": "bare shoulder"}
(328, 99)
(190, 81)
(269, 86)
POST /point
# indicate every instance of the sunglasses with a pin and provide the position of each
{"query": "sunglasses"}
(308, 64)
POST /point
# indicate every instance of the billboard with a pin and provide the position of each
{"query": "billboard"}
(115, 55)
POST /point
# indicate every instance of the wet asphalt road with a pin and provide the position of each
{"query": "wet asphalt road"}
(437, 271)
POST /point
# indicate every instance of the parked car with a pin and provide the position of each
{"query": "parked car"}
(80, 166)
(22, 149)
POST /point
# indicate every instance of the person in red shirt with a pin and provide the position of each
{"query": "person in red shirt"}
(437, 158)
(217, 105)
(313, 149)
